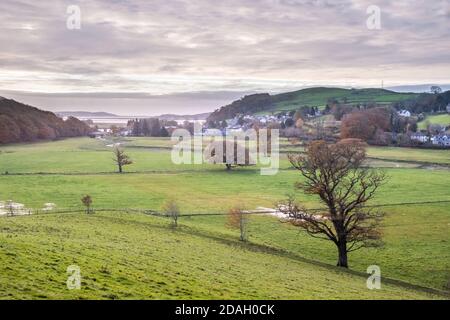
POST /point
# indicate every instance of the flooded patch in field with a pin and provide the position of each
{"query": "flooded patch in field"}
(114, 145)
(277, 213)
(435, 167)
(268, 211)
(49, 207)
(11, 208)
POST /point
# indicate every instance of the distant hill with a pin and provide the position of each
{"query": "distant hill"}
(317, 97)
(86, 114)
(23, 123)
(420, 88)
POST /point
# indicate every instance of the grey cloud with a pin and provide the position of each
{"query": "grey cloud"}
(128, 103)
(162, 47)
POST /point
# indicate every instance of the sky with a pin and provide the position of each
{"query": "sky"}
(148, 57)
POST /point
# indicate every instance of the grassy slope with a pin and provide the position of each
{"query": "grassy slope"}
(135, 257)
(442, 119)
(410, 154)
(319, 97)
(414, 252)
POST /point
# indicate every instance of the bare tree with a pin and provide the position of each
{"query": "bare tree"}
(171, 210)
(237, 219)
(121, 159)
(87, 202)
(335, 173)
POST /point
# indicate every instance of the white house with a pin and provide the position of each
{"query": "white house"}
(404, 113)
(442, 140)
(212, 132)
(419, 136)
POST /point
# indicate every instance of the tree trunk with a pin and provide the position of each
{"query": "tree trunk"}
(342, 249)
(120, 168)
(242, 227)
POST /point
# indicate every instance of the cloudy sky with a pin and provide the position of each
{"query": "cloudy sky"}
(147, 57)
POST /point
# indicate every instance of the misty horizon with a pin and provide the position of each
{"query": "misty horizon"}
(141, 105)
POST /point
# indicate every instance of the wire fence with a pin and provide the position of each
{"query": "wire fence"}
(152, 212)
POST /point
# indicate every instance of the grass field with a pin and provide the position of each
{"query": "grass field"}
(138, 257)
(441, 119)
(203, 258)
(395, 155)
(410, 154)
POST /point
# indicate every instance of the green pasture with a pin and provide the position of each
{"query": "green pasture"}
(127, 255)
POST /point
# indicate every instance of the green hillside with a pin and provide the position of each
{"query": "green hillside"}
(318, 97)
(123, 256)
(441, 119)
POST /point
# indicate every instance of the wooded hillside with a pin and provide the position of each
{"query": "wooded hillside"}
(23, 123)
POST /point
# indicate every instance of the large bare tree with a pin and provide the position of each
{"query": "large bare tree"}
(336, 174)
(121, 159)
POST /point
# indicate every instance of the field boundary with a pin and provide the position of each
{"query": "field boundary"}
(418, 162)
(422, 165)
(256, 212)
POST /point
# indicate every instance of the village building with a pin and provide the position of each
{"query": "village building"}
(420, 137)
(97, 134)
(404, 113)
(442, 140)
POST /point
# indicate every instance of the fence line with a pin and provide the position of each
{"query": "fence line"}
(160, 214)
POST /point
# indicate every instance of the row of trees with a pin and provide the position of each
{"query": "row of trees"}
(436, 101)
(22, 123)
(148, 128)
